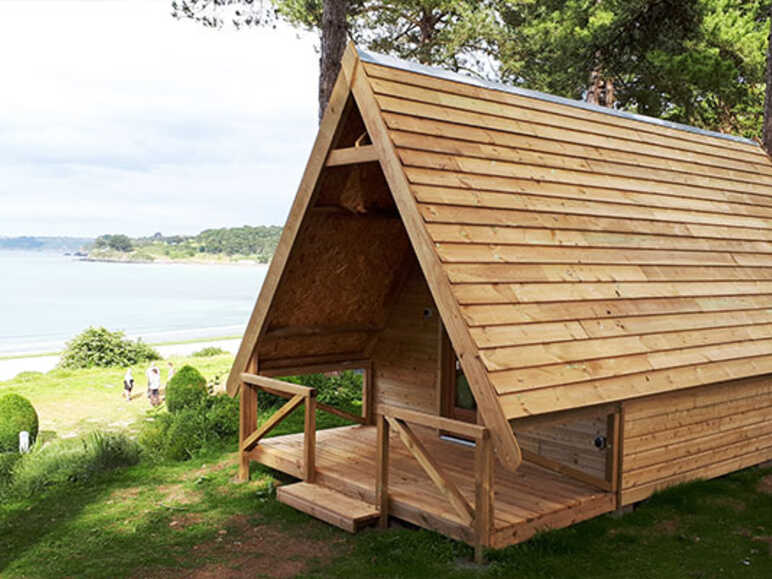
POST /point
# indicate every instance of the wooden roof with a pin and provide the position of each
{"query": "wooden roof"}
(577, 255)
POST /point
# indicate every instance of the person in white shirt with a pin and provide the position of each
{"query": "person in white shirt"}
(154, 385)
(128, 384)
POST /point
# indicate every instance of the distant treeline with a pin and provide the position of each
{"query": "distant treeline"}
(257, 243)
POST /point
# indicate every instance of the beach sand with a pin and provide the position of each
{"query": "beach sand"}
(10, 368)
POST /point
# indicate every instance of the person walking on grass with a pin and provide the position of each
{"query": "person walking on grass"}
(149, 375)
(154, 385)
(128, 384)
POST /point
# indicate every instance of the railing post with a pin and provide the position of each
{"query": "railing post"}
(247, 421)
(483, 458)
(309, 438)
(382, 471)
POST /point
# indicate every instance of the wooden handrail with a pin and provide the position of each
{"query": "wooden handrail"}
(299, 394)
(457, 427)
(278, 385)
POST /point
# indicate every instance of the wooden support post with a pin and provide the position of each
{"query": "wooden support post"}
(382, 471)
(612, 454)
(368, 394)
(483, 459)
(309, 439)
(247, 420)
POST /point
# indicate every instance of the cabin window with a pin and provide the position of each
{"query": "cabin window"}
(464, 397)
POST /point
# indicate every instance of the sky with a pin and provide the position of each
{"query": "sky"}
(117, 118)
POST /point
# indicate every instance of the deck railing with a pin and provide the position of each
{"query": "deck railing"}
(296, 395)
(479, 518)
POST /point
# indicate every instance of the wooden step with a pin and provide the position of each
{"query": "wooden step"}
(328, 505)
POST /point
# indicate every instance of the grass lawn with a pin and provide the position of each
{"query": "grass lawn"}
(71, 402)
(191, 519)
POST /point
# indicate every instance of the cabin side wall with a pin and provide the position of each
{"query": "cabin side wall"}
(405, 357)
(697, 433)
(571, 443)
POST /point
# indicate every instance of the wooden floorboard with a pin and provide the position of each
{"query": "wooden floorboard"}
(527, 501)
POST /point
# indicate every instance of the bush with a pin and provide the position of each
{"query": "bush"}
(72, 460)
(16, 414)
(187, 434)
(186, 389)
(179, 435)
(344, 389)
(209, 351)
(222, 416)
(99, 347)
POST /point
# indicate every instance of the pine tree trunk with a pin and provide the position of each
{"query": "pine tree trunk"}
(767, 129)
(334, 37)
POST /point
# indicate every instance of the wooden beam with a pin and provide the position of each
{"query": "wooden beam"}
(483, 466)
(292, 331)
(252, 440)
(329, 360)
(345, 212)
(612, 451)
(309, 441)
(264, 382)
(382, 472)
(561, 468)
(313, 368)
(247, 421)
(488, 403)
(352, 155)
(329, 131)
(432, 468)
(457, 427)
(368, 393)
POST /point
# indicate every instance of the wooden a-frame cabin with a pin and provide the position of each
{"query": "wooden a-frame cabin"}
(559, 309)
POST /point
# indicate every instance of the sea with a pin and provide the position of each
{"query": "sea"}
(48, 298)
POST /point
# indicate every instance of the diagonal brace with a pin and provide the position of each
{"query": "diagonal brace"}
(251, 441)
(432, 468)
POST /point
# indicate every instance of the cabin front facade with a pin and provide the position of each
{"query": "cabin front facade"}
(558, 309)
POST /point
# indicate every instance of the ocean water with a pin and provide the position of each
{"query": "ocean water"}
(46, 299)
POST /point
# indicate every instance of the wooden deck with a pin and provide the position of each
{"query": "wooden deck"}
(530, 500)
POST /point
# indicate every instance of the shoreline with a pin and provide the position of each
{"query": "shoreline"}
(12, 366)
(166, 261)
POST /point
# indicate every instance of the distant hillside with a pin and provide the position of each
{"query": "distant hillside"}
(227, 244)
(32, 243)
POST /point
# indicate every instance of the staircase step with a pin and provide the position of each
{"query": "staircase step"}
(328, 505)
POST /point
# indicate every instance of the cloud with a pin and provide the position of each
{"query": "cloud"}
(116, 117)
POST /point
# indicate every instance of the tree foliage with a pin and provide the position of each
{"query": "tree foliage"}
(101, 348)
(699, 62)
(118, 242)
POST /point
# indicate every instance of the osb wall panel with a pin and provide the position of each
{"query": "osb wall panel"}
(340, 271)
(700, 433)
(406, 354)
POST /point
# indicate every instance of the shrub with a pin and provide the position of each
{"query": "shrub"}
(209, 351)
(186, 389)
(179, 435)
(344, 389)
(102, 348)
(16, 414)
(222, 416)
(187, 434)
(73, 460)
